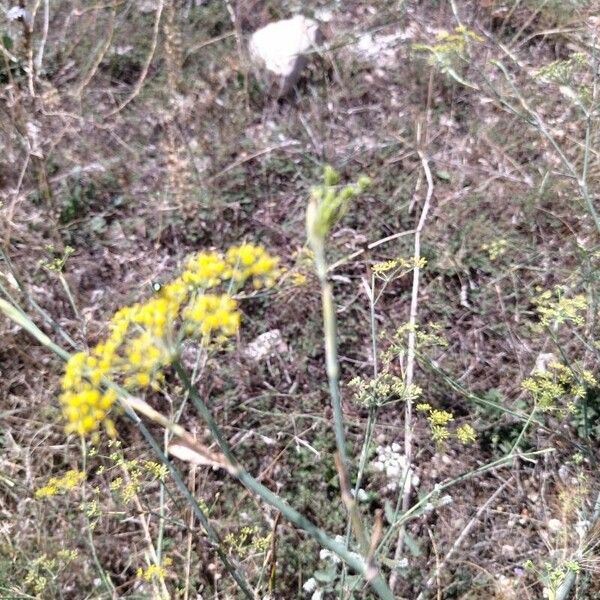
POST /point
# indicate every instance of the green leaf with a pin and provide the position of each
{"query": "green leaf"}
(7, 41)
(327, 575)
(390, 513)
(412, 545)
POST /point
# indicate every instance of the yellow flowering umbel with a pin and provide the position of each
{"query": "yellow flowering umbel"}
(55, 485)
(154, 571)
(558, 383)
(252, 262)
(555, 308)
(145, 338)
(399, 264)
(496, 248)
(450, 50)
(214, 316)
(439, 421)
(247, 540)
(383, 389)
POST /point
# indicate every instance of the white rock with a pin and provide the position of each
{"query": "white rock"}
(542, 361)
(265, 345)
(16, 12)
(281, 48)
(554, 525)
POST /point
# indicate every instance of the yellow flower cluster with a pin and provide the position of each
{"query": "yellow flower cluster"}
(382, 390)
(84, 403)
(69, 481)
(154, 571)
(554, 308)
(249, 261)
(43, 569)
(402, 264)
(465, 434)
(248, 539)
(144, 338)
(559, 382)
(496, 248)
(450, 47)
(439, 421)
(213, 316)
(206, 270)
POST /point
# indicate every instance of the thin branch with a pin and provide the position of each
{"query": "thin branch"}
(131, 405)
(371, 575)
(461, 537)
(100, 54)
(410, 359)
(140, 82)
(40, 54)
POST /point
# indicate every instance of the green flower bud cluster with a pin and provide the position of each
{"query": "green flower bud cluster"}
(329, 203)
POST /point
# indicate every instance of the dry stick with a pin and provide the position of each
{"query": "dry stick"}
(272, 556)
(437, 563)
(460, 539)
(8, 55)
(245, 159)
(410, 359)
(564, 590)
(201, 45)
(370, 246)
(40, 54)
(350, 504)
(153, 558)
(188, 553)
(240, 48)
(28, 22)
(100, 55)
(140, 82)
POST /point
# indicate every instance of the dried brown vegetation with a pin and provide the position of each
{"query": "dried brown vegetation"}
(137, 132)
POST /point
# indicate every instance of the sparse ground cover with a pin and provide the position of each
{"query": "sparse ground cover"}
(464, 279)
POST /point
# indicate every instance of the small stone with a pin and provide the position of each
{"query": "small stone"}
(281, 49)
(554, 525)
(265, 345)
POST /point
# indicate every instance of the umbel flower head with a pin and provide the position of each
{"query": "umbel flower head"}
(144, 338)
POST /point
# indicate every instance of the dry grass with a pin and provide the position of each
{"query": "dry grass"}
(136, 155)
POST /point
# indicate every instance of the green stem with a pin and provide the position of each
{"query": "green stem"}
(333, 369)
(354, 561)
(104, 576)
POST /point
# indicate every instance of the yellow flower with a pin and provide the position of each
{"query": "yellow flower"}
(154, 570)
(84, 404)
(298, 279)
(440, 417)
(466, 434)
(249, 261)
(212, 316)
(69, 481)
(206, 270)
(144, 337)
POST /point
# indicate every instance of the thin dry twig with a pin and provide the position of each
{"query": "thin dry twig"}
(40, 54)
(410, 358)
(100, 55)
(440, 564)
(140, 82)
